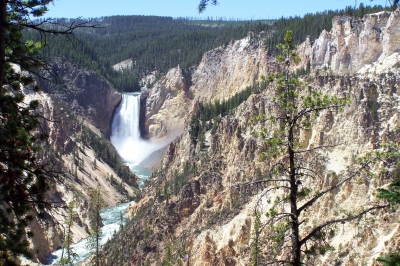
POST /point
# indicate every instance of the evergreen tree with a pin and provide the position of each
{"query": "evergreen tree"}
(17, 142)
(95, 206)
(255, 245)
(392, 260)
(68, 237)
(392, 196)
(24, 179)
(291, 171)
(204, 3)
(121, 221)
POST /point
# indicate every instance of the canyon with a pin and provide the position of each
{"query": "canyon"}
(198, 205)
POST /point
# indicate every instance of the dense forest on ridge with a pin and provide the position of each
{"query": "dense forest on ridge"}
(160, 43)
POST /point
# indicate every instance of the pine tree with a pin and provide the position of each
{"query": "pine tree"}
(291, 171)
(121, 221)
(96, 204)
(68, 237)
(24, 179)
(94, 165)
(392, 196)
(204, 3)
(76, 174)
(255, 245)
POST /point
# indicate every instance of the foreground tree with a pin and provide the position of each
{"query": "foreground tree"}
(24, 179)
(204, 3)
(294, 169)
(392, 196)
(392, 260)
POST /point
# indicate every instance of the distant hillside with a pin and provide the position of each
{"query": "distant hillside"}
(154, 43)
(160, 43)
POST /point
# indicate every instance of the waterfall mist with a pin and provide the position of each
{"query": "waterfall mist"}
(125, 134)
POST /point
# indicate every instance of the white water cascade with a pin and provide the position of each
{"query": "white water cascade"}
(126, 120)
(125, 135)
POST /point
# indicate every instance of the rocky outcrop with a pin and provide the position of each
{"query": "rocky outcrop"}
(353, 43)
(85, 93)
(229, 69)
(124, 65)
(222, 73)
(165, 106)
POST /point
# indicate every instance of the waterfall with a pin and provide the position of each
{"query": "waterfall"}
(125, 135)
(126, 120)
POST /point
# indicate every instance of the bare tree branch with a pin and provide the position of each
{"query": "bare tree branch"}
(336, 221)
(316, 197)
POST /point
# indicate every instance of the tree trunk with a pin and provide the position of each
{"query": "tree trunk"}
(69, 241)
(97, 229)
(62, 252)
(293, 199)
(3, 23)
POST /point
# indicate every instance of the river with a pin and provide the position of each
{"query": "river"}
(125, 137)
(111, 220)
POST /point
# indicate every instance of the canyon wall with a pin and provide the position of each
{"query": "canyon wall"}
(229, 69)
(81, 99)
(222, 73)
(370, 44)
(85, 93)
(353, 43)
(165, 106)
(214, 215)
(200, 204)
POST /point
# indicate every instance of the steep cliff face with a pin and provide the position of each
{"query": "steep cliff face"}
(211, 217)
(85, 93)
(164, 107)
(199, 208)
(353, 43)
(227, 70)
(221, 73)
(83, 101)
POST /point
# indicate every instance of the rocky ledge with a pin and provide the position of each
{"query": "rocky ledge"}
(88, 95)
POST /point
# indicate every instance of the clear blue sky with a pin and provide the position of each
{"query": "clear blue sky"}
(246, 9)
